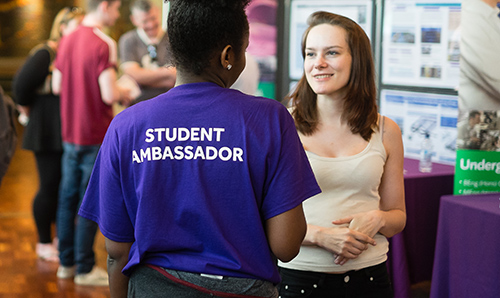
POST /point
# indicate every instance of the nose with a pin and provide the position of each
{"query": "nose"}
(320, 62)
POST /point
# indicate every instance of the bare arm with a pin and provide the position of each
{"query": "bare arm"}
(392, 195)
(285, 233)
(163, 77)
(111, 93)
(56, 81)
(117, 259)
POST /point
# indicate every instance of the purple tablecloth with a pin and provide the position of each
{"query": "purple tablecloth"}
(467, 260)
(411, 252)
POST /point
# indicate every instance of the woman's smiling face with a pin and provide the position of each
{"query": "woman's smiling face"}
(328, 59)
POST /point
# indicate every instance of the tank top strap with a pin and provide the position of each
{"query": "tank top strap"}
(381, 126)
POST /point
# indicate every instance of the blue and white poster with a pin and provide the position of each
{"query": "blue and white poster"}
(419, 113)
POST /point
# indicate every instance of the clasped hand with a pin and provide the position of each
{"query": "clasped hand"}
(348, 242)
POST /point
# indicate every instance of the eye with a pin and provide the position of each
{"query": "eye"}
(310, 54)
(332, 53)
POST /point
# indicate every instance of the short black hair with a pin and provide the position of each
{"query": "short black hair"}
(199, 29)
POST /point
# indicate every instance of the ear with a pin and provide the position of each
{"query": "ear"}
(132, 19)
(103, 6)
(227, 57)
(62, 27)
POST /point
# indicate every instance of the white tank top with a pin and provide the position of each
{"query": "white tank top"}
(349, 185)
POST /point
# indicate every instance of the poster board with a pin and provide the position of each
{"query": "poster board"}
(420, 46)
(359, 11)
(419, 113)
(477, 168)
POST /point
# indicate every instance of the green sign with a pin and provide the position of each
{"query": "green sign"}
(477, 171)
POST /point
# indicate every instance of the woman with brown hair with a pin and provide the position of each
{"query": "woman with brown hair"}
(357, 158)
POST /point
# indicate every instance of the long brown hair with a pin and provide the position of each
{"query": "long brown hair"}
(360, 106)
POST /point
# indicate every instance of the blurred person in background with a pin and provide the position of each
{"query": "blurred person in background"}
(479, 87)
(8, 134)
(39, 112)
(143, 51)
(85, 77)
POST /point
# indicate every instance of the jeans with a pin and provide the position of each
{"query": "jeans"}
(76, 234)
(370, 282)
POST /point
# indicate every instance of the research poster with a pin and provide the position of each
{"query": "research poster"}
(419, 113)
(359, 11)
(421, 43)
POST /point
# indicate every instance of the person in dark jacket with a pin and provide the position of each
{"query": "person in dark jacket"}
(39, 112)
(8, 135)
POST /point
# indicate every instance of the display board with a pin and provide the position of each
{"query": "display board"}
(359, 11)
(419, 113)
(420, 44)
(477, 168)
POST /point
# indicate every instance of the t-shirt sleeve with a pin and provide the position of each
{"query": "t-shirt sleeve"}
(290, 180)
(126, 46)
(105, 201)
(108, 56)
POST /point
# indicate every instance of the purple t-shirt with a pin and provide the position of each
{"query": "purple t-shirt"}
(191, 176)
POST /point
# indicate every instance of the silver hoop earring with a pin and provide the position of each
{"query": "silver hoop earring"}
(229, 66)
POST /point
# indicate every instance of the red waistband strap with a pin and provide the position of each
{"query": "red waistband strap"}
(196, 287)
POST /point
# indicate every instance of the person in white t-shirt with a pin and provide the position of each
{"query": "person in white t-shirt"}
(479, 87)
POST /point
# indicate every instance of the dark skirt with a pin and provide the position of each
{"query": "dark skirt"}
(43, 132)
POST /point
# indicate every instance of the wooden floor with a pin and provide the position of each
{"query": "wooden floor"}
(22, 274)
